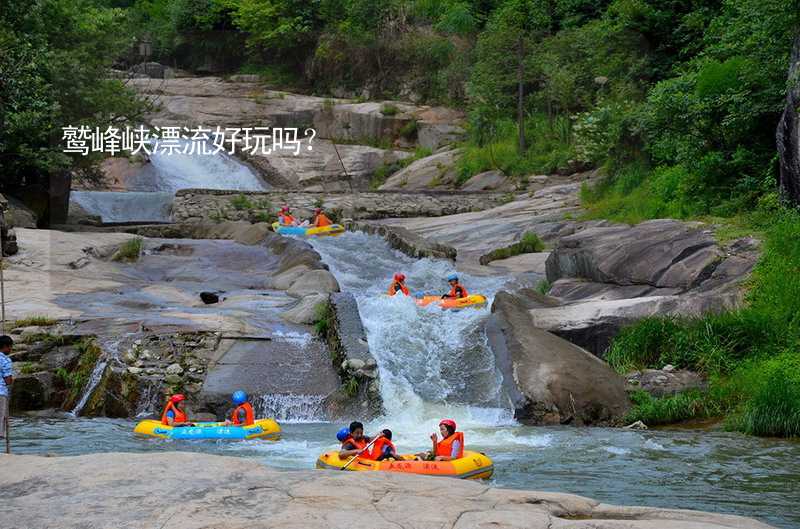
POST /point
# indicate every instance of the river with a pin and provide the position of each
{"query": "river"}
(436, 364)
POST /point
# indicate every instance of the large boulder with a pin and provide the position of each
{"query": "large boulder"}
(431, 171)
(32, 391)
(788, 133)
(314, 282)
(550, 380)
(196, 490)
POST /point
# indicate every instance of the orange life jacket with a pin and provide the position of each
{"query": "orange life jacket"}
(321, 220)
(445, 446)
(395, 286)
(360, 444)
(249, 416)
(179, 415)
(286, 219)
(454, 292)
(377, 448)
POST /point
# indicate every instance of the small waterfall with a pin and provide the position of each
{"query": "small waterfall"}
(91, 385)
(290, 408)
(153, 188)
(118, 207)
(150, 399)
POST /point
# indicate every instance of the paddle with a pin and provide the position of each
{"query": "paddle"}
(8, 436)
(360, 452)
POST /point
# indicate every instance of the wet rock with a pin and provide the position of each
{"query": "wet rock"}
(31, 391)
(134, 370)
(551, 380)
(353, 364)
(58, 491)
(638, 425)
(788, 133)
(60, 357)
(407, 242)
(209, 298)
(305, 311)
(485, 181)
(425, 173)
(665, 382)
(173, 379)
(314, 282)
(174, 369)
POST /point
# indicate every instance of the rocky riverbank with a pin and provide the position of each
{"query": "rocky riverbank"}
(152, 490)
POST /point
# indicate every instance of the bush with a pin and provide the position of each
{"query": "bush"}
(389, 109)
(129, 251)
(676, 408)
(529, 243)
(241, 202)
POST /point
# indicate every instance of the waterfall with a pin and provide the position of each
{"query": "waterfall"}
(152, 189)
(432, 363)
(91, 385)
(150, 399)
(290, 408)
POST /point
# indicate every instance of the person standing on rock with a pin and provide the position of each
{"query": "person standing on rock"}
(6, 379)
(174, 413)
(457, 291)
(398, 285)
(320, 219)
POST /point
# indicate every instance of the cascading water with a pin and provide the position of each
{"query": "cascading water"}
(290, 408)
(91, 385)
(151, 191)
(433, 363)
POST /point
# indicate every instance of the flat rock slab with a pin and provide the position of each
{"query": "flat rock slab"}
(177, 490)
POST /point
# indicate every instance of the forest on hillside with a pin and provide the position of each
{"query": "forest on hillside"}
(677, 101)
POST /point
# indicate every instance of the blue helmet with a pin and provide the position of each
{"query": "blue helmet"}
(239, 397)
(452, 277)
(343, 434)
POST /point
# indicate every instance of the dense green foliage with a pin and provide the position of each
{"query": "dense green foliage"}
(529, 243)
(54, 56)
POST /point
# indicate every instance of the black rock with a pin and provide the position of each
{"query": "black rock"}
(209, 298)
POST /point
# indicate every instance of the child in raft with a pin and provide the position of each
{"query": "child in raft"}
(450, 447)
(174, 413)
(320, 219)
(457, 290)
(354, 443)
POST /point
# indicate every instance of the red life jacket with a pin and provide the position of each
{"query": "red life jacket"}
(359, 444)
(395, 286)
(322, 220)
(286, 219)
(377, 448)
(179, 415)
(249, 416)
(445, 446)
(454, 292)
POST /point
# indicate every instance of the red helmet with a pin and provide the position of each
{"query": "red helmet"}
(448, 422)
(317, 210)
(285, 208)
(399, 277)
(177, 398)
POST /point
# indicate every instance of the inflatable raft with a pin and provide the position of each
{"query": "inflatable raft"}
(474, 465)
(262, 429)
(305, 231)
(474, 301)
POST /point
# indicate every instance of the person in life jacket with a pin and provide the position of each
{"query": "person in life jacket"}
(383, 447)
(320, 219)
(398, 285)
(355, 441)
(457, 291)
(243, 414)
(174, 414)
(285, 217)
(450, 447)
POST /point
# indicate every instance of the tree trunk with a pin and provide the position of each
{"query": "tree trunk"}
(521, 94)
(788, 134)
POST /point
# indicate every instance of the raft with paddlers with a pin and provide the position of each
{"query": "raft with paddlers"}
(473, 465)
(308, 231)
(266, 429)
(471, 301)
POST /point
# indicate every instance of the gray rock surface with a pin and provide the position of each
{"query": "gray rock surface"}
(554, 381)
(486, 181)
(664, 382)
(788, 132)
(305, 311)
(236, 493)
(429, 172)
(407, 241)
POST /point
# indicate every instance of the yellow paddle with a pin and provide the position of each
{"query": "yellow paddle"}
(361, 452)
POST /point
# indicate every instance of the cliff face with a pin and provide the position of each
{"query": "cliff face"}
(788, 133)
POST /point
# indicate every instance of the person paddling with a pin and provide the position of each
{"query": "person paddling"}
(174, 413)
(457, 291)
(243, 414)
(398, 285)
(355, 441)
(383, 447)
(320, 219)
(450, 447)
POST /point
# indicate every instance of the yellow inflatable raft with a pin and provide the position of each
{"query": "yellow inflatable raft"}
(474, 465)
(262, 429)
(306, 231)
(471, 301)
